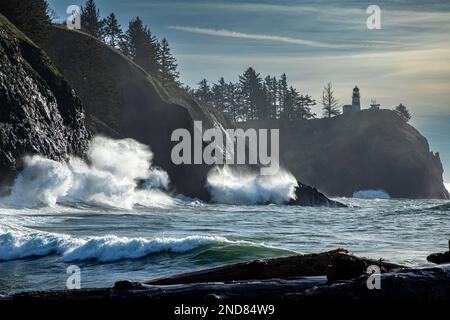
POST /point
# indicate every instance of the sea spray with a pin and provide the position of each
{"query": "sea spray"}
(109, 178)
(229, 186)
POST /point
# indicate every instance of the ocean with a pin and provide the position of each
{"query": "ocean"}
(37, 245)
(115, 217)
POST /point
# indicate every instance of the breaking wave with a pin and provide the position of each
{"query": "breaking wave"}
(228, 186)
(19, 244)
(109, 178)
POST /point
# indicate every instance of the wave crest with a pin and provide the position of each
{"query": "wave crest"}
(18, 244)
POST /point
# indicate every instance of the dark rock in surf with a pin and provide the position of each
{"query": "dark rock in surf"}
(310, 196)
(440, 258)
(39, 112)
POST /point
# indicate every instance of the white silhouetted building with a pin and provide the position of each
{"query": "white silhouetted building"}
(374, 105)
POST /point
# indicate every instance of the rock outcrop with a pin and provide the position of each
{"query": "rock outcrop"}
(440, 258)
(39, 111)
(122, 100)
(311, 197)
(368, 150)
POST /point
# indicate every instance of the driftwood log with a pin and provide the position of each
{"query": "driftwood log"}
(410, 284)
(298, 277)
(337, 264)
(401, 285)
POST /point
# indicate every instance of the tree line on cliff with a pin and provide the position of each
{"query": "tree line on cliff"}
(256, 98)
(33, 17)
(251, 98)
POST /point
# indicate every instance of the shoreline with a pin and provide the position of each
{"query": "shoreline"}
(331, 275)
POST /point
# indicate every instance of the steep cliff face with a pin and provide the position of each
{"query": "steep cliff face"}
(39, 112)
(122, 100)
(361, 151)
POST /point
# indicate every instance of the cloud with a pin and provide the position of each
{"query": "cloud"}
(252, 36)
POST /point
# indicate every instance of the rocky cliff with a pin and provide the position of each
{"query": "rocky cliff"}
(39, 112)
(122, 100)
(360, 151)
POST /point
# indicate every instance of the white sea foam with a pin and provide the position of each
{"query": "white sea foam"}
(108, 178)
(18, 244)
(228, 186)
(371, 194)
(447, 186)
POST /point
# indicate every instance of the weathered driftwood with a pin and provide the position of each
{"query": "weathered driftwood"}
(411, 284)
(301, 265)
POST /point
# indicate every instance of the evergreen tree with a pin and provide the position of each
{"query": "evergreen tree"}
(233, 101)
(203, 93)
(403, 112)
(30, 16)
(140, 45)
(303, 107)
(329, 102)
(90, 19)
(189, 90)
(271, 93)
(282, 96)
(252, 95)
(289, 104)
(219, 95)
(167, 64)
(112, 32)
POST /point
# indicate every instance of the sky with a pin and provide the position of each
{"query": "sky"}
(314, 42)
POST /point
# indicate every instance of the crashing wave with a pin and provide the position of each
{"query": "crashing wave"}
(228, 186)
(109, 178)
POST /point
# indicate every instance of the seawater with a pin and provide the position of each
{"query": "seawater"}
(38, 244)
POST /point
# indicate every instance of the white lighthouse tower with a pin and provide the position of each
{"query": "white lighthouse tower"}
(356, 103)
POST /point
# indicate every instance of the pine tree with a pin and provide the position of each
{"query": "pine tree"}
(203, 93)
(329, 102)
(167, 64)
(282, 95)
(90, 19)
(112, 32)
(140, 45)
(252, 95)
(290, 102)
(303, 106)
(403, 112)
(233, 102)
(271, 92)
(30, 16)
(219, 95)
(189, 90)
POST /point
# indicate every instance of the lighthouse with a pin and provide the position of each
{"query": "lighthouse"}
(356, 104)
